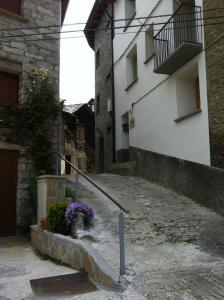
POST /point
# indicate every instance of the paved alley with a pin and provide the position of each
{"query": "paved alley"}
(174, 246)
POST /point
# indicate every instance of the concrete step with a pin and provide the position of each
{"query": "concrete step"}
(124, 169)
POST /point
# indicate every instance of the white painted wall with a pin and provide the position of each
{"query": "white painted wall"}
(155, 129)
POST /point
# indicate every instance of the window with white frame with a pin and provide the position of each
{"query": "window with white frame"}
(132, 66)
(130, 10)
(149, 43)
(188, 92)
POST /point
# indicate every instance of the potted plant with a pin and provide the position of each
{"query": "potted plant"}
(77, 215)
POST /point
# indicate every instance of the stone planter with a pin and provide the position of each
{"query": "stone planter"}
(77, 254)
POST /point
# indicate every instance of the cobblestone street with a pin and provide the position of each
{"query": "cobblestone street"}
(174, 246)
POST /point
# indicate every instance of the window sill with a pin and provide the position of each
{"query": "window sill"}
(8, 14)
(149, 58)
(131, 84)
(129, 22)
(184, 117)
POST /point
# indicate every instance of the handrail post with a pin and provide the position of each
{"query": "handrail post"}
(122, 246)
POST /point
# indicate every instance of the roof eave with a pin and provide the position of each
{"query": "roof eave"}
(94, 19)
(64, 7)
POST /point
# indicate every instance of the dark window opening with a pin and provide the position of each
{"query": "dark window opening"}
(98, 104)
(9, 88)
(13, 6)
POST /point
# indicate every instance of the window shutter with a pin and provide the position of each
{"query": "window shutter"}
(13, 6)
(9, 86)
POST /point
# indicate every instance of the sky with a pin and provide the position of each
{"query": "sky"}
(77, 83)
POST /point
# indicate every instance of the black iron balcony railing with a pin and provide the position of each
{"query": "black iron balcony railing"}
(179, 40)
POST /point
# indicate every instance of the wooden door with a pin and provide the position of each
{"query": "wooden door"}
(68, 168)
(8, 191)
(101, 155)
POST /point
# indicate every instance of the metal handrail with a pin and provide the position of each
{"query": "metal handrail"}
(94, 184)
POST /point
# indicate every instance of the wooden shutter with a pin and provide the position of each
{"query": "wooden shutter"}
(13, 6)
(9, 86)
(197, 94)
(8, 191)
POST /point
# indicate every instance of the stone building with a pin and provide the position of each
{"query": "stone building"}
(168, 63)
(77, 143)
(99, 33)
(214, 49)
(24, 45)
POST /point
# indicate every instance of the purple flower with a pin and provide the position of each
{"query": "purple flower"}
(74, 208)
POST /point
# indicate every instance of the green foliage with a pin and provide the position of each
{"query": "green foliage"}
(29, 217)
(69, 193)
(31, 123)
(55, 220)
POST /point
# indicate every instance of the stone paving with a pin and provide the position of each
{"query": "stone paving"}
(174, 247)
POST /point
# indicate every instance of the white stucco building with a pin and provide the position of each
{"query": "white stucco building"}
(160, 79)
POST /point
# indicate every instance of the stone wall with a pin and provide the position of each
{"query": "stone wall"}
(201, 183)
(20, 55)
(214, 45)
(103, 77)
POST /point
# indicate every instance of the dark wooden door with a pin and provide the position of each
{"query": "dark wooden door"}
(8, 191)
(67, 166)
(101, 155)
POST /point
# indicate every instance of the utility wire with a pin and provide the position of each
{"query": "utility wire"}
(119, 27)
(116, 20)
(82, 36)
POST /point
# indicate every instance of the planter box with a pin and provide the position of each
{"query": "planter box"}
(76, 254)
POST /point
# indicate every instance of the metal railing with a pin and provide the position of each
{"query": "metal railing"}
(185, 26)
(120, 217)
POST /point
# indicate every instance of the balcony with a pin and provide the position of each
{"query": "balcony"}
(179, 40)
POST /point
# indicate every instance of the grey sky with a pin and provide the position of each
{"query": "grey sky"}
(77, 58)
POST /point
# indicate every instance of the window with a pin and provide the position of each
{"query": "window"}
(197, 94)
(97, 104)
(149, 43)
(81, 134)
(97, 58)
(130, 10)
(13, 6)
(132, 66)
(9, 87)
(188, 92)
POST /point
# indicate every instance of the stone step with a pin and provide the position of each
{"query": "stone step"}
(124, 169)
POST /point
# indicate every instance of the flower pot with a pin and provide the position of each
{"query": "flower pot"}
(78, 224)
(42, 223)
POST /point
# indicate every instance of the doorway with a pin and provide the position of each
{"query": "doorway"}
(101, 155)
(8, 191)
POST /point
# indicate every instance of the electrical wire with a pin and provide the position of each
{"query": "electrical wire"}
(82, 36)
(120, 27)
(116, 20)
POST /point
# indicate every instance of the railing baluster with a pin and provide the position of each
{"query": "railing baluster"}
(183, 26)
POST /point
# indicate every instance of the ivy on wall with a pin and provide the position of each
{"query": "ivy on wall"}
(31, 124)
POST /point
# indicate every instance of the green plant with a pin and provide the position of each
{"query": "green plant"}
(55, 220)
(32, 123)
(69, 193)
(29, 217)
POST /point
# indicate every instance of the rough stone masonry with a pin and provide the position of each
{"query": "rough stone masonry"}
(22, 52)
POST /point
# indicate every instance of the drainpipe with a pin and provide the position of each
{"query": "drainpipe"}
(113, 88)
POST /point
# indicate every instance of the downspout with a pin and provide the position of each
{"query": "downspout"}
(113, 88)
(111, 17)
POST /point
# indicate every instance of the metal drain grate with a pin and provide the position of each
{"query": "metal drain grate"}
(63, 285)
